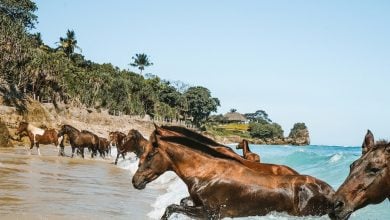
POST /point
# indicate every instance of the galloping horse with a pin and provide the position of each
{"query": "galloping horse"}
(174, 131)
(80, 140)
(221, 186)
(262, 168)
(247, 154)
(368, 181)
(116, 138)
(38, 136)
(132, 142)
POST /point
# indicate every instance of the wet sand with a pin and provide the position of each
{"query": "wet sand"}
(52, 187)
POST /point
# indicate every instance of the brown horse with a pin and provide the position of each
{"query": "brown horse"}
(38, 136)
(221, 186)
(262, 168)
(132, 142)
(368, 181)
(104, 147)
(116, 138)
(247, 154)
(80, 140)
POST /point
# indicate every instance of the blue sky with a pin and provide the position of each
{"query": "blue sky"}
(325, 63)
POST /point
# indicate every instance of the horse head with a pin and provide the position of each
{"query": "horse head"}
(135, 140)
(22, 127)
(63, 130)
(368, 181)
(241, 145)
(115, 137)
(153, 163)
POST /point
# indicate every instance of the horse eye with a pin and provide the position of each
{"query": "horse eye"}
(151, 155)
(352, 165)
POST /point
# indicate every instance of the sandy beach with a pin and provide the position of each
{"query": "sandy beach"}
(52, 187)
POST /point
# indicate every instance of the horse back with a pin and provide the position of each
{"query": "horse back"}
(49, 136)
(89, 137)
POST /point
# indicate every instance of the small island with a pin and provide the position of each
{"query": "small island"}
(256, 127)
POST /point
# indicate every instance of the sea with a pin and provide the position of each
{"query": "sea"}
(328, 163)
(37, 187)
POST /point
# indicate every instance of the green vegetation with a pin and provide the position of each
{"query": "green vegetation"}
(265, 130)
(260, 129)
(29, 68)
(229, 129)
(297, 130)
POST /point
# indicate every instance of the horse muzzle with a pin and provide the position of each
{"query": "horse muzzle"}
(340, 211)
(139, 182)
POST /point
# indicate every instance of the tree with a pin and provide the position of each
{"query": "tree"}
(141, 61)
(16, 17)
(200, 104)
(260, 116)
(259, 130)
(233, 110)
(69, 43)
(19, 12)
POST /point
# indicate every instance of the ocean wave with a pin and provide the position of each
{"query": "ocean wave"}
(272, 215)
(336, 157)
(175, 191)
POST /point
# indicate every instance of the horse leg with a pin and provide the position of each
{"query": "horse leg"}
(31, 147)
(196, 212)
(102, 154)
(123, 155)
(117, 156)
(39, 152)
(62, 147)
(93, 151)
(73, 148)
(82, 152)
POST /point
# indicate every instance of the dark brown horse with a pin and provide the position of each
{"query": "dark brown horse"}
(132, 142)
(116, 138)
(247, 154)
(221, 186)
(262, 168)
(368, 181)
(104, 147)
(80, 140)
(38, 136)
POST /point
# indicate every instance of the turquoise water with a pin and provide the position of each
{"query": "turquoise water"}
(329, 163)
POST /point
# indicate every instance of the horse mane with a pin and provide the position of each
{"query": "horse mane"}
(86, 131)
(71, 127)
(135, 133)
(382, 143)
(198, 146)
(190, 133)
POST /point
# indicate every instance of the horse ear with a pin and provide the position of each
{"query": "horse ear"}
(388, 150)
(368, 142)
(153, 139)
(158, 129)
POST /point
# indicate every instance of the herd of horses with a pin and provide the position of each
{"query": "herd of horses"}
(222, 183)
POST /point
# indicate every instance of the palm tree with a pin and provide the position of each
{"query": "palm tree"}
(69, 43)
(141, 61)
